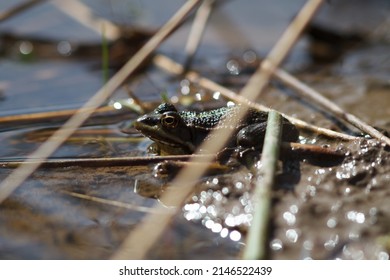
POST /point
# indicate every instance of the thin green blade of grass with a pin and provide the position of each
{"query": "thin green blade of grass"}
(256, 246)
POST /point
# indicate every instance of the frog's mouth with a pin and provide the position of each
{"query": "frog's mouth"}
(159, 136)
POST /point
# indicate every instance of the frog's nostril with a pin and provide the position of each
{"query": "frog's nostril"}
(147, 120)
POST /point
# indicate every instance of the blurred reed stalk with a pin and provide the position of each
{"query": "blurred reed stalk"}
(115, 203)
(309, 93)
(17, 9)
(197, 30)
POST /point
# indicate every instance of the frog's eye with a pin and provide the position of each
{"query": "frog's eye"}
(169, 120)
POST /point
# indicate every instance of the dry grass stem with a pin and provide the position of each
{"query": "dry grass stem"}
(257, 236)
(109, 113)
(100, 162)
(142, 238)
(18, 9)
(314, 95)
(173, 67)
(16, 178)
(197, 30)
(116, 203)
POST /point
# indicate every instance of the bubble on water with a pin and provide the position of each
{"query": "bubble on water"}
(311, 190)
(353, 235)
(233, 67)
(331, 223)
(332, 242)
(239, 185)
(26, 47)
(64, 48)
(308, 245)
(185, 87)
(289, 218)
(225, 190)
(383, 256)
(292, 235)
(249, 56)
(211, 210)
(373, 211)
(276, 244)
(294, 209)
(217, 196)
(357, 217)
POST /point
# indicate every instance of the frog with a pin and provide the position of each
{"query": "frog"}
(177, 132)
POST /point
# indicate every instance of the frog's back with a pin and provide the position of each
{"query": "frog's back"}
(206, 120)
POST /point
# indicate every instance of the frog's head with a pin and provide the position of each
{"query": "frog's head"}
(167, 129)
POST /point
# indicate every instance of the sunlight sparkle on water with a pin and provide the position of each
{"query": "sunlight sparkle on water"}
(224, 232)
(235, 235)
(355, 216)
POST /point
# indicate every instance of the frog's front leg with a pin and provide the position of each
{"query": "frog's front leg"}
(251, 136)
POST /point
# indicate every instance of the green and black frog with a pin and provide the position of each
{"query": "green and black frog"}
(181, 132)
